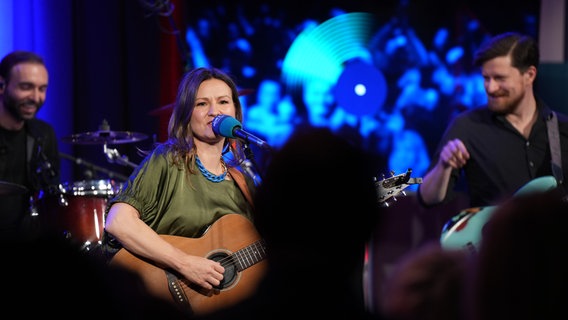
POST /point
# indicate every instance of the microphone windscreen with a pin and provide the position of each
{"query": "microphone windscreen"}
(224, 125)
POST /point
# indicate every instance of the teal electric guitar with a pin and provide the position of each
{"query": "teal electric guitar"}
(464, 230)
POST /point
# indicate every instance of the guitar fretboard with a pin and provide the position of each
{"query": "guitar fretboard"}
(250, 255)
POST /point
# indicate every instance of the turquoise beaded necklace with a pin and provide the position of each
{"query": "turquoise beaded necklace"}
(208, 175)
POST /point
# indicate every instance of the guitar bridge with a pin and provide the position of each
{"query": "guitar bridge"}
(177, 292)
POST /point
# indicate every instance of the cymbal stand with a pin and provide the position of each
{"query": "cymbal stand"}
(113, 156)
(92, 166)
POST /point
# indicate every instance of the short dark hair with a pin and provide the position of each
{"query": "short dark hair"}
(15, 58)
(523, 50)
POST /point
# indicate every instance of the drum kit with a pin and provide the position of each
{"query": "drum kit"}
(76, 209)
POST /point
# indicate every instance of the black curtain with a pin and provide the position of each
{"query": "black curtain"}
(116, 79)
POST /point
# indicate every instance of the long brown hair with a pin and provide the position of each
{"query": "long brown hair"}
(180, 134)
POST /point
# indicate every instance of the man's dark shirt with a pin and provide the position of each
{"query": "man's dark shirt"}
(501, 159)
(29, 158)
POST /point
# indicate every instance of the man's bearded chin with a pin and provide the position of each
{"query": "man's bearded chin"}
(513, 105)
(13, 108)
(509, 107)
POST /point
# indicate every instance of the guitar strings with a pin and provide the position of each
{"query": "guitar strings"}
(231, 259)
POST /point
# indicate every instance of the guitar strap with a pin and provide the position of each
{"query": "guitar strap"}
(240, 179)
(554, 140)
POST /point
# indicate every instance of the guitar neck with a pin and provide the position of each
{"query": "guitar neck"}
(250, 255)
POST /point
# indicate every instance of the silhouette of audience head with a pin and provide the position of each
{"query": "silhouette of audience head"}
(316, 209)
(427, 283)
(522, 260)
(321, 186)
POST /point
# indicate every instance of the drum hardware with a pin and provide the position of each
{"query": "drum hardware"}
(34, 212)
(9, 188)
(113, 156)
(93, 167)
(104, 136)
(77, 210)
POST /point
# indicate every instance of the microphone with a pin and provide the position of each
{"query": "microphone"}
(230, 127)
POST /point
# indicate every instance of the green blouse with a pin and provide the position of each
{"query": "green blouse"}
(172, 204)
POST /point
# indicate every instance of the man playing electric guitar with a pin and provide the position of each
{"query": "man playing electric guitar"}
(500, 148)
(465, 230)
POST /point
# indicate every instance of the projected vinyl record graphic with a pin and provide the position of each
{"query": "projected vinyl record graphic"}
(336, 51)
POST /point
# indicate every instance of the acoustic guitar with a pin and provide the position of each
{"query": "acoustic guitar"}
(233, 241)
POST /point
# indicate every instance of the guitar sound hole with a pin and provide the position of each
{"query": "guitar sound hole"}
(230, 269)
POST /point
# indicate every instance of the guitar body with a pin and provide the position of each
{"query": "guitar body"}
(464, 230)
(233, 240)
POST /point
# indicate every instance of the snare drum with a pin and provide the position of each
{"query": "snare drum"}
(77, 209)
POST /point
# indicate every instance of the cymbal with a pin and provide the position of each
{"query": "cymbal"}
(9, 188)
(104, 137)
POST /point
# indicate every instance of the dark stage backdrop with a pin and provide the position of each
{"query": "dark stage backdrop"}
(104, 59)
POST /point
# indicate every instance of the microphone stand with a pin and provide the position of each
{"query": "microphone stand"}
(249, 165)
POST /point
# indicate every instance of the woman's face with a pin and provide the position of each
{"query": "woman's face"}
(214, 97)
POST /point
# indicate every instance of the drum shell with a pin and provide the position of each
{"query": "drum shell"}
(77, 210)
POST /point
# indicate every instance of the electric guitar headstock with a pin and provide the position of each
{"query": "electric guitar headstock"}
(389, 188)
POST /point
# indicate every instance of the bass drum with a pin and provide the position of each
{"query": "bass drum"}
(77, 210)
